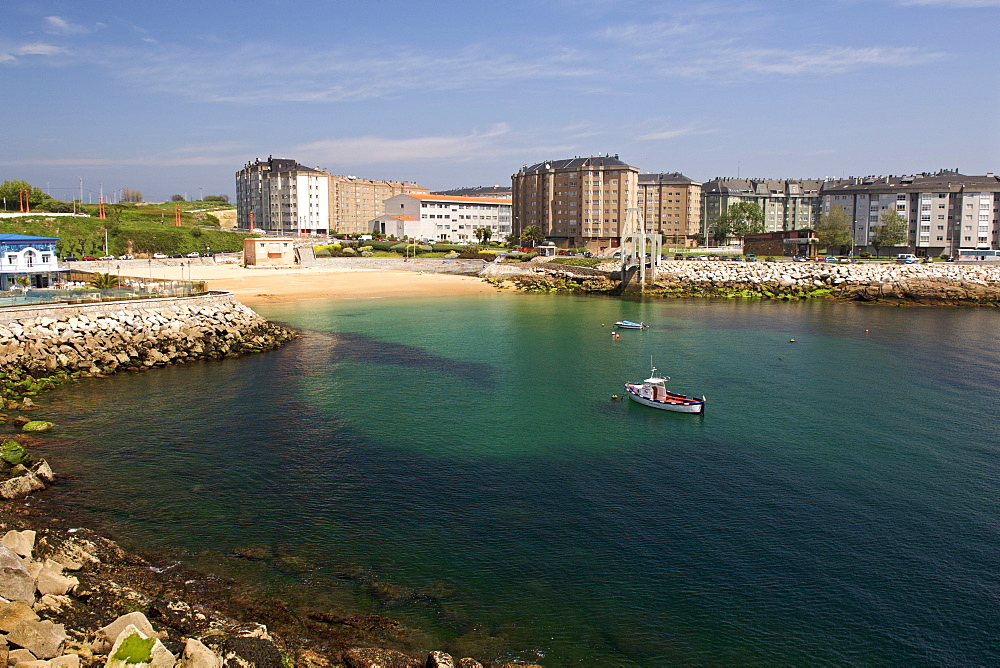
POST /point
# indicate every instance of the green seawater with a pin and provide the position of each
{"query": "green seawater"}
(461, 464)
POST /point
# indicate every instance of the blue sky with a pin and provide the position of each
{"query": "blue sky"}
(175, 97)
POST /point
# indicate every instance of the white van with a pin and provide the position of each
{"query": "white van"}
(906, 258)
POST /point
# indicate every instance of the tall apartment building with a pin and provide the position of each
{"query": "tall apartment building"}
(280, 195)
(578, 202)
(445, 217)
(946, 211)
(787, 204)
(354, 202)
(671, 204)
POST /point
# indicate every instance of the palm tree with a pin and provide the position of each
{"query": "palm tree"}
(483, 234)
(532, 235)
(104, 281)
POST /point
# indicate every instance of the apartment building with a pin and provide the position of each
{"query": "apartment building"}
(355, 202)
(280, 195)
(670, 203)
(946, 211)
(576, 202)
(787, 204)
(444, 217)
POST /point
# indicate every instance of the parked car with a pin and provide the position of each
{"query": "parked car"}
(175, 255)
(126, 256)
(90, 258)
(831, 258)
(751, 257)
(847, 260)
(212, 254)
(106, 257)
(906, 258)
(193, 254)
(70, 258)
(769, 259)
(159, 256)
(800, 258)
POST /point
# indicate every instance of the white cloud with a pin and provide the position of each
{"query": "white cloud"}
(666, 134)
(37, 49)
(726, 64)
(256, 74)
(384, 149)
(57, 25)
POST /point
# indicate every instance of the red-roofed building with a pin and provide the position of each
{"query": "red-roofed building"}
(445, 217)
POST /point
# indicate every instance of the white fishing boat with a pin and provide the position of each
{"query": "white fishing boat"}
(653, 392)
(628, 324)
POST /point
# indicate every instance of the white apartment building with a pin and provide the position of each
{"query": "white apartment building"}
(946, 211)
(447, 217)
(281, 196)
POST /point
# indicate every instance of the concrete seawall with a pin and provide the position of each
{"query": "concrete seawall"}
(131, 334)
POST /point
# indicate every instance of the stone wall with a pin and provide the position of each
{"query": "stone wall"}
(131, 334)
(928, 283)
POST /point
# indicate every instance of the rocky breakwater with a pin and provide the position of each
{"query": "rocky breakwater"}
(936, 283)
(44, 342)
(541, 276)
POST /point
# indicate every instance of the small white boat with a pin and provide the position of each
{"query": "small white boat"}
(628, 324)
(653, 392)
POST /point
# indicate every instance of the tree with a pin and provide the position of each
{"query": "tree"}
(217, 198)
(177, 198)
(739, 220)
(532, 235)
(11, 193)
(891, 231)
(131, 195)
(104, 281)
(483, 234)
(834, 230)
(723, 229)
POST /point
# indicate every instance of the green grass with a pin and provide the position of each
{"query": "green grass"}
(577, 261)
(131, 228)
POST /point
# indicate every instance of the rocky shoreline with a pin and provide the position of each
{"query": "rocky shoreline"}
(880, 282)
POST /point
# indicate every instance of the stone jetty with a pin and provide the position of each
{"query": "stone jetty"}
(938, 283)
(935, 283)
(137, 334)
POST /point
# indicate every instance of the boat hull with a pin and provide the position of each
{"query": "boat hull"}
(677, 403)
(626, 324)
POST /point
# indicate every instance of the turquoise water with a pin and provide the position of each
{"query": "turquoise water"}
(837, 503)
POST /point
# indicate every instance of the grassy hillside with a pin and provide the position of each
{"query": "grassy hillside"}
(132, 228)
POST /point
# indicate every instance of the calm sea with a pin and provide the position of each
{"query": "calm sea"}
(460, 464)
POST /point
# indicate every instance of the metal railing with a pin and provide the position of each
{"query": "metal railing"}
(76, 287)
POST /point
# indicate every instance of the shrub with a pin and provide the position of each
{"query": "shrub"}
(322, 252)
(864, 256)
(349, 251)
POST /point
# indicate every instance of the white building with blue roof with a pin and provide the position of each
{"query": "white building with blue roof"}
(30, 257)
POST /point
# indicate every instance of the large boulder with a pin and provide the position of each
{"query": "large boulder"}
(16, 583)
(13, 613)
(136, 620)
(44, 638)
(20, 543)
(38, 425)
(134, 649)
(196, 655)
(20, 487)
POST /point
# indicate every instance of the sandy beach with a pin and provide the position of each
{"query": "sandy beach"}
(265, 285)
